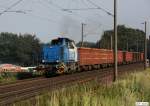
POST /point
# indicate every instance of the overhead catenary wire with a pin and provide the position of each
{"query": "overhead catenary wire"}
(48, 18)
(13, 5)
(85, 3)
(81, 9)
(109, 13)
(17, 11)
(63, 9)
(26, 12)
(46, 5)
(31, 13)
(68, 11)
(90, 8)
(87, 8)
(56, 5)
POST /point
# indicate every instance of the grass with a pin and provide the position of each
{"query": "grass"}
(125, 92)
(7, 77)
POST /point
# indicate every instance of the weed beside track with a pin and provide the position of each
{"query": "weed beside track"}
(125, 92)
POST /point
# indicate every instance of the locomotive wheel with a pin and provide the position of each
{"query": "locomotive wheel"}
(61, 68)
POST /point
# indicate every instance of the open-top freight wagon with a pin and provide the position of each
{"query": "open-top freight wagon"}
(97, 58)
(62, 56)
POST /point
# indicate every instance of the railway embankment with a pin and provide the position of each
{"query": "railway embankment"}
(126, 91)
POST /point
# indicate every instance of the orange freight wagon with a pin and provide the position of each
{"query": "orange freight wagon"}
(142, 56)
(120, 57)
(129, 57)
(92, 56)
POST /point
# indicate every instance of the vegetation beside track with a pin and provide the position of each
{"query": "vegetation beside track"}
(7, 77)
(125, 92)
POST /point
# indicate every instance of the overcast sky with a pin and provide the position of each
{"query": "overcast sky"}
(47, 19)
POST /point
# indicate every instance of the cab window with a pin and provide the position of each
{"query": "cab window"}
(70, 45)
(56, 42)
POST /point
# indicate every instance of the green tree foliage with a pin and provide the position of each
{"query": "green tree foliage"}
(129, 39)
(19, 49)
(87, 44)
(148, 48)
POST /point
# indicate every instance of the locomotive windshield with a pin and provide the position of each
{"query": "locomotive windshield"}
(56, 42)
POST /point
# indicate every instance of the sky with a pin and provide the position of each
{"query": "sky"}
(47, 18)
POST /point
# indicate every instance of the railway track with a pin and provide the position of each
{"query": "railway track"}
(25, 89)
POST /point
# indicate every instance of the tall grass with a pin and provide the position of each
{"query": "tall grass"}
(7, 77)
(125, 92)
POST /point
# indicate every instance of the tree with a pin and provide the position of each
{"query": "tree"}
(148, 48)
(19, 49)
(129, 39)
(87, 44)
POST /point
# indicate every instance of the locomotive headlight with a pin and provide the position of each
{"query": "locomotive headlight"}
(57, 61)
(43, 61)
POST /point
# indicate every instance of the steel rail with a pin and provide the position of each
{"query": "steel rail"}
(30, 89)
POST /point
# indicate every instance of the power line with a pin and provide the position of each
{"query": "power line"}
(109, 13)
(59, 7)
(46, 5)
(89, 8)
(82, 9)
(32, 13)
(17, 11)
(62, 9)
(13, 5)
(26, 12)
(41, 17)
(56, 5)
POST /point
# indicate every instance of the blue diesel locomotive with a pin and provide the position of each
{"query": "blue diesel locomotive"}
(60, 57)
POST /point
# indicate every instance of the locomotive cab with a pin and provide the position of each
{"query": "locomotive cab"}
(60, 56)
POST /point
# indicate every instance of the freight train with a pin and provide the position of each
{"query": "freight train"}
(62, 56)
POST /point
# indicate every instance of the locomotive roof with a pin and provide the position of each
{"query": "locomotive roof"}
(64, 38)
